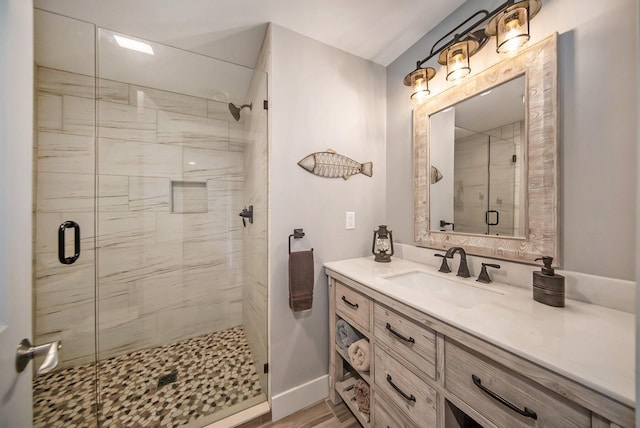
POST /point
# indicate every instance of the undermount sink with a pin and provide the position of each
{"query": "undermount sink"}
(451, 291)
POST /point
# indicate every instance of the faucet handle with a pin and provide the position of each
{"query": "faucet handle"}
(444, 267)
(484, 276)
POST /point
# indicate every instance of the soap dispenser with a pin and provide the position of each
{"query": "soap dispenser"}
(548, 288)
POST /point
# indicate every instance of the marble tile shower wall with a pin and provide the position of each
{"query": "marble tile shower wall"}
(162, 276)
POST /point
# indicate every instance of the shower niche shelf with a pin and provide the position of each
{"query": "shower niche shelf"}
(189, 197)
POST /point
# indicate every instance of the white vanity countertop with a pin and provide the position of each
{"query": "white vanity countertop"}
(590, 344)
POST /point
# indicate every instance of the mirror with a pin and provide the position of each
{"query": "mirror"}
(523, 193)
(476, 163)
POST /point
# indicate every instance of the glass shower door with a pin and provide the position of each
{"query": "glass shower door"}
(64, 203)
(488, 181)
(173, 345)
(502, 201)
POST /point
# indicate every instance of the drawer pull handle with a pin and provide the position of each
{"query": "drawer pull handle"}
(399, 391)
(526, 412)
(395, 333)
(353, 305)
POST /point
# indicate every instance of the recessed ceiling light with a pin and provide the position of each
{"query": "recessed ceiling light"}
(136, 45)
(485, 93)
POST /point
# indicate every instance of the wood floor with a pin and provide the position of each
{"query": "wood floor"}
(319, 415)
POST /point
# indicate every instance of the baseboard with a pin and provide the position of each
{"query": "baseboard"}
(298, 398)
(228, 419)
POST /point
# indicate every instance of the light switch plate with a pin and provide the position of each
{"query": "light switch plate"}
(350, 222)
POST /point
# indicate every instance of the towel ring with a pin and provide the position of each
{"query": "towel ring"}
(297, 234)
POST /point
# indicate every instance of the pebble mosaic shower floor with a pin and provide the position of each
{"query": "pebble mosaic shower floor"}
(212, 373)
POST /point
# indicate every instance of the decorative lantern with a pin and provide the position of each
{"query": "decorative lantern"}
(382, 246)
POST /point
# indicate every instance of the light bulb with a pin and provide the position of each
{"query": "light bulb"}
(513, 31)
(420, 88)
(418, 98)
(458, 61)
(418, 79)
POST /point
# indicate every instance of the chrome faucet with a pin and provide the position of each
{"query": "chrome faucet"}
(463, 269)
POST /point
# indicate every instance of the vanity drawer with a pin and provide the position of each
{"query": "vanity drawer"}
(386, 415)
(465, 372)
(411, 341)
(406, 390)
(354, 307)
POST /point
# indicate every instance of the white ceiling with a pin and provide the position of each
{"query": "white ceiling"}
(233, 30)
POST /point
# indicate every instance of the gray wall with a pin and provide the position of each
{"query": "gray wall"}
(320, 97)
(597, 61)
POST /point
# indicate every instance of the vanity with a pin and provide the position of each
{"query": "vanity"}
(448, 352)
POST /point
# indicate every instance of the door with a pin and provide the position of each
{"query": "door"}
(502, 200)
(16, 136)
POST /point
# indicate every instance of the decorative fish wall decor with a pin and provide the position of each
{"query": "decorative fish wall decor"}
(330, 164)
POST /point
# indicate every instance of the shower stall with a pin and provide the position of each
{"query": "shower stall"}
(161, 302)
(487, 189)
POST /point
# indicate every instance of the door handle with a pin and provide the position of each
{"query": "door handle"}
(76, 239)
(26, 352)
(486, 217)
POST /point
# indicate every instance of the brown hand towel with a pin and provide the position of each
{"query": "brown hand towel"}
(301, 280)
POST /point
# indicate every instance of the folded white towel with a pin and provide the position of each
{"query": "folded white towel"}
(359, 355)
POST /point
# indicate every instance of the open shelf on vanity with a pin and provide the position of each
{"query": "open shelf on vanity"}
(345, 388)
(366, 376)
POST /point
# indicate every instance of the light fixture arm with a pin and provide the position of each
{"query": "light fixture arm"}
(486, 15)
(458, 36)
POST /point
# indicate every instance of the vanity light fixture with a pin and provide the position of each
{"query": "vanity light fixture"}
(509, 22)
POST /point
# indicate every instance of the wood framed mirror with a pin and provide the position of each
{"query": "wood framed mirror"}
(535, 216)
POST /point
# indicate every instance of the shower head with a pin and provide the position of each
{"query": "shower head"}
(235, 111)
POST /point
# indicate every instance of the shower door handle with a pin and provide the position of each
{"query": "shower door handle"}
(76, 239)
(487, 215)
